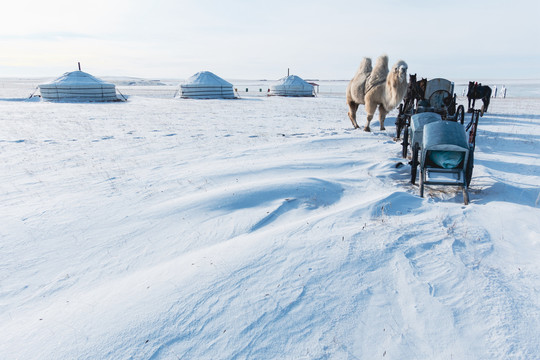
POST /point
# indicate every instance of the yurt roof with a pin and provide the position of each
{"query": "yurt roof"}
(206, 78)
(293, 80)
(78, 78)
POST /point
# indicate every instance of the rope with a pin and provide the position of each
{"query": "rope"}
(125, 99)
(32, 94)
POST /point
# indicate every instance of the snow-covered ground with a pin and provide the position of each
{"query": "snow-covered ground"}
(259, 228)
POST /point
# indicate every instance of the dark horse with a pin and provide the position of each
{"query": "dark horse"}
(416, 91)
(477, 91)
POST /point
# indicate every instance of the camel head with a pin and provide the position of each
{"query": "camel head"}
(399, 71)
(396, 85)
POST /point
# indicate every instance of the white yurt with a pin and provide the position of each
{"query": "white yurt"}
(78, 86)
(292, 85)
(206, 85)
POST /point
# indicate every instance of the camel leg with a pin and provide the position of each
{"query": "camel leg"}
(382, 116)
(353, 107)
(370, 109)
(369, 117)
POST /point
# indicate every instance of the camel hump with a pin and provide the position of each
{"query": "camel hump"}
(357, 85)
(365, 66)
(379, 72)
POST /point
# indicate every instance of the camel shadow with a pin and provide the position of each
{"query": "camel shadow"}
(499, 191)
(508, 117)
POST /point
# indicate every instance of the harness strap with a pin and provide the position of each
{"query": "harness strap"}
(373, 85)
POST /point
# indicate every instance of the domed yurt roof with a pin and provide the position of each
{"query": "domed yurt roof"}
(78, 78)
(78, 86)
(206, 85)
(292, 86)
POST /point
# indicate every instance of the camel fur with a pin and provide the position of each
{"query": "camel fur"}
(376, 87)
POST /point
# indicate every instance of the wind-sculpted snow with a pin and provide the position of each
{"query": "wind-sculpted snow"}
(259, 228)
(396, 204)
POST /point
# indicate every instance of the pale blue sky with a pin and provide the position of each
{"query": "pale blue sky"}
(255, 39)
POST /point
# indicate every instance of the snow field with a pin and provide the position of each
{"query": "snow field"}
(260, 228)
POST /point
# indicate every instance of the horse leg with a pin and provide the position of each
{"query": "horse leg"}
(353, 107)
(382, 116)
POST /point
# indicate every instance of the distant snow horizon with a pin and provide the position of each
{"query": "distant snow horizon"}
(532, 80)
(516, 88)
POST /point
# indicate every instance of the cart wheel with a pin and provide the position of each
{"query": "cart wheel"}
(473, 126)
(414, 163)
(421, 183)
(399, 121)
(460, 114)
(465, 196)
(440, 101)
(452, 106)
(405, 142)
(469, 169)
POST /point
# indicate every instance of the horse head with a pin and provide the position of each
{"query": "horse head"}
(417, 89)
(470, 90)
(422, 85)
(410, 87)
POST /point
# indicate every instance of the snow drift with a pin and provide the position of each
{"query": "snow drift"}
(261, 228)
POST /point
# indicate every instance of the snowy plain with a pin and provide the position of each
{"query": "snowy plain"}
(259, 228)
